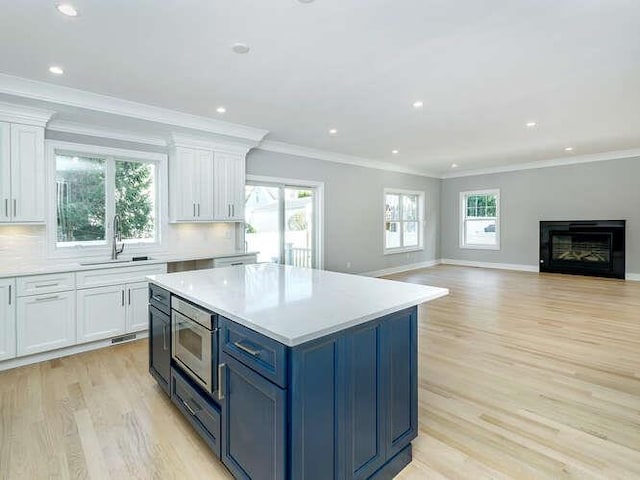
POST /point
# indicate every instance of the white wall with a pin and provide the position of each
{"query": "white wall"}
(608, 190)
(354, 208)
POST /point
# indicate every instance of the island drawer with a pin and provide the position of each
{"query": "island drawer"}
(160, 298)
(258, 352)
(201, 413)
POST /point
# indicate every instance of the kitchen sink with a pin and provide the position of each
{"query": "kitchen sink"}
(117, 262)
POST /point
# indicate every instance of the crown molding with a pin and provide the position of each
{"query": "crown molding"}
(554, 162)
(281, 147)
(25, 115)
(219, 144)
(102, 132)
(47, 92)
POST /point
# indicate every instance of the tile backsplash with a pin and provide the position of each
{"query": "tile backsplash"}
(27, 244)
(22, 244)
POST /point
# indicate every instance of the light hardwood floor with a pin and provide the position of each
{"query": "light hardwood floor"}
(521, 376)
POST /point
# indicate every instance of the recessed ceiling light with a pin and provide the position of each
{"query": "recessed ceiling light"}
(67, 9)
(568, 149)
(454, 165)
(56, 70)
(531, 124)
(221, 110)
(418, 104)
(240, 48)
(333, 131)
(395, 152)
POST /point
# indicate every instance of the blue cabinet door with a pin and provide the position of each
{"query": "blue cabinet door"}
(401, 343)
(254, 442)
(364, 422)
(160, 347)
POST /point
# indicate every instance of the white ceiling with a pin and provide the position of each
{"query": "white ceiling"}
(482, 67)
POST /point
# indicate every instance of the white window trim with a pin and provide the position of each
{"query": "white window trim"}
(463, 213)
(318, 207)
(86, 250)
(421, 221)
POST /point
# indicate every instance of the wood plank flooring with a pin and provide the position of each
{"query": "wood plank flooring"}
(522, 376)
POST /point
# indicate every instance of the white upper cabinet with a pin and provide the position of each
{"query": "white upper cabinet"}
(22, 173)
(191, 184)
(27, 173)
(207, 182)
(229, 175)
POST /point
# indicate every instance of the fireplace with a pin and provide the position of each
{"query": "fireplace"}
(583, 247)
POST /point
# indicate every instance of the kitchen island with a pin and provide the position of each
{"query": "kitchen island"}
(292, 373)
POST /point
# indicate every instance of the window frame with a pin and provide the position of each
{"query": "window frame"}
(463, 219)
(111, 155)
(420, 220)
(318, 208)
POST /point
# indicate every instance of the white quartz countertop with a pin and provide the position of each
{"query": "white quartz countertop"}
(23, 269)
(294, 305)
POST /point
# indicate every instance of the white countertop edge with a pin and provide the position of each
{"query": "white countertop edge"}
(75, 266)
(295, 341)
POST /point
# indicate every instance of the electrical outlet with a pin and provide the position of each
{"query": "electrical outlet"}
(348, 264)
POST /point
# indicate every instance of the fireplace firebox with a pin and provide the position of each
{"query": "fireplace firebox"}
(583, 247)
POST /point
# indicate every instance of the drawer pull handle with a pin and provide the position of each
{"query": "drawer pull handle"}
(221, 381)
(51, 297)
(44, 285)
(188, 407)
(251, 351)
(158, 298)
(236, 264)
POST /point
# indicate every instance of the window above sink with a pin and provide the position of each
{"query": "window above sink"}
(89, 184)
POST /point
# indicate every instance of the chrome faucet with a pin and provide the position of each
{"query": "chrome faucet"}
(117, 237)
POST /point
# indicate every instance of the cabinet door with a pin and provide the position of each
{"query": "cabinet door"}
(7, 319)
(229, 186)
(101, 313)
(160, 347)
(27, 173)
(5, 172)
(183, 192)
(235, 186)
(253, 423)
(137, 306)
(45, 322)
(400, 334)
(364, 427)
(204, 202)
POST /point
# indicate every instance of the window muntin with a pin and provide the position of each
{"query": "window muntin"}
(91, 189)
(480, 226)
(402, 221)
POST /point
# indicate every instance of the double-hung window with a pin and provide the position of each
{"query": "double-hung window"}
(480, 219)
(91, 185)
(403, 220)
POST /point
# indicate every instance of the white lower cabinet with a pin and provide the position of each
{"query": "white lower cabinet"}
(101, 313)
(7, 319)
(45, 322)
(137, 309)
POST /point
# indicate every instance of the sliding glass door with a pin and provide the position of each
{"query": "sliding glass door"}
(281, 223)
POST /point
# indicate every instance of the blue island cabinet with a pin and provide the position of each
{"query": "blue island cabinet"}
(340, 407)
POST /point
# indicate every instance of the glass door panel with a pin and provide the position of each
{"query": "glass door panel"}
(263, 219)
(298, 227)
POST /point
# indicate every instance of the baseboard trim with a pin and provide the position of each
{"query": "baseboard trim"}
(498, 266)
(634, 277)
(65, 352)
(401, 268)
